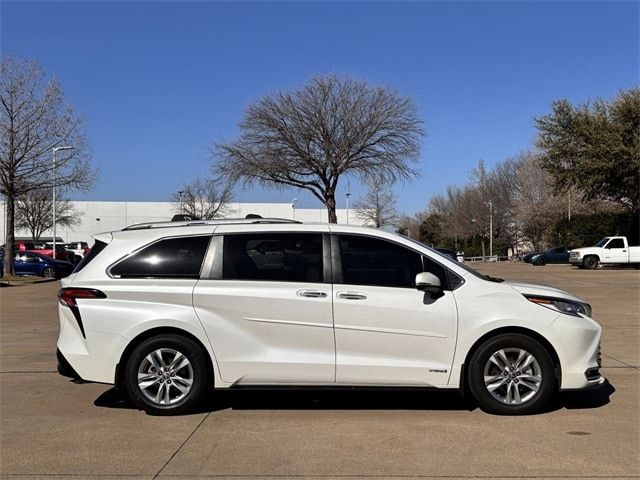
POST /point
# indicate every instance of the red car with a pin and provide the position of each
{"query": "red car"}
(47, 249)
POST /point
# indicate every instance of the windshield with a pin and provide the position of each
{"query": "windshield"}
(459, 264)
(602, 242)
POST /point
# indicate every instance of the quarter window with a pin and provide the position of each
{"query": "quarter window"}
(283, 257)
(370, 261)
(179, 257)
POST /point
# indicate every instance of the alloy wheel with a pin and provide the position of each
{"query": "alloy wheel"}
(49, 273)
(512, 376)
(165, 376)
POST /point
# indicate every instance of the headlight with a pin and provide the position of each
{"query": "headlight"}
(562, 305)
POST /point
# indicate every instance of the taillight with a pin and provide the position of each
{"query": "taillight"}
(68, 296)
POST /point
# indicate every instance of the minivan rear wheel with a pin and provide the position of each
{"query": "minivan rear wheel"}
(166, 375)
(512, 374)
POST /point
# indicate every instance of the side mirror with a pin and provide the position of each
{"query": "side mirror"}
(428, 282)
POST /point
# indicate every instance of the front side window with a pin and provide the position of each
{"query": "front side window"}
(280, 257)
(179, 257)
(616, 243)
(375, 262)
(26, 258)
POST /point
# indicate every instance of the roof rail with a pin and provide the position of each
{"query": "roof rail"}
(219, 221)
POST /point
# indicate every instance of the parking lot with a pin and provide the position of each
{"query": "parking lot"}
(52, 427)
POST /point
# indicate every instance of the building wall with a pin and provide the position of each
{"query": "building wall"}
(96, 217)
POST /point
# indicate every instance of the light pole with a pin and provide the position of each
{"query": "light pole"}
(348, 194)
(180, 192)
(490, 204)
(55, 150)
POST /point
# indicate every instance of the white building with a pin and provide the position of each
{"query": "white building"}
(96, 217)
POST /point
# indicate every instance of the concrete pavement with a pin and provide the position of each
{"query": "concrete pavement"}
(53, 428)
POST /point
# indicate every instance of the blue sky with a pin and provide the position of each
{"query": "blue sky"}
(158, 82)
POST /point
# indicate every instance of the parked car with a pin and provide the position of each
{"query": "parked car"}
(47, 249)
(21, 246)
(32, 263)
(79, 249)
(608, 251)
(449, 253)
(553, 255)
(527, 257)
(168, 310)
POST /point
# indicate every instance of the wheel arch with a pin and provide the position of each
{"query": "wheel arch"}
(506, 330)
(152, 333)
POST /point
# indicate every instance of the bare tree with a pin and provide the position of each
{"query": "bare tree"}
(378, 206)
(33, 120)
(310, 137)
(204, 199)
(33, 213)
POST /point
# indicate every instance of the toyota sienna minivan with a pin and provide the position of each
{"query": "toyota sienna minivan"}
(168, 311)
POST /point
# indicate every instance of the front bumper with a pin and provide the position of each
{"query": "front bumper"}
(577, 343)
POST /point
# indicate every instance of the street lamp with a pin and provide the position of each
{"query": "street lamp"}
(55, 150)
(180, 192)
(348, 194)
(490, 204)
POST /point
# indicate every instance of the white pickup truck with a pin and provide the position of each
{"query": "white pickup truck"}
(608, 251)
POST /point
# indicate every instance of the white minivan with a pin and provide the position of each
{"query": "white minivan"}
(167, 311)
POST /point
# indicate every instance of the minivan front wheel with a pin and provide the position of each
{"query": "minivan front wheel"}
(166, 375)
(512, 374)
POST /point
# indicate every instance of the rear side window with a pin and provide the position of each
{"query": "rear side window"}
(283, 257)
(179, 257)
(93, 253)
(370, 261)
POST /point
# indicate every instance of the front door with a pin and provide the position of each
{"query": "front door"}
(387, 332)
(267, 309)
(26, 263)
(615, 252)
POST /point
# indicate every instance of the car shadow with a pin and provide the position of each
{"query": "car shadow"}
(595, 398)
(356, 399)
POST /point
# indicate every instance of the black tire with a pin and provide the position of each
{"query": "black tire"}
(590, 262)
(198, 373)
(49, 272)
(541, 262)
(510, 344)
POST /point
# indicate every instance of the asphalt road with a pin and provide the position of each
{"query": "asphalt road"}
(53, 428)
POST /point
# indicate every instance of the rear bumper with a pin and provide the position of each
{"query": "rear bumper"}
(92, 358)
(64, 367)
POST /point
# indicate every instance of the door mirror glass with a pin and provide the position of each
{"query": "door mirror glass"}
(428, 282)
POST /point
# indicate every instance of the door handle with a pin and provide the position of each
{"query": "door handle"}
(352, 296)
(312, 293)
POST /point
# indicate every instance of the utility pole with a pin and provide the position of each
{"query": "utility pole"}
(55, 150)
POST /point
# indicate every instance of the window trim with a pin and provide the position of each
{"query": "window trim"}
(157, 240)
(336, 260)
(217, 257)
